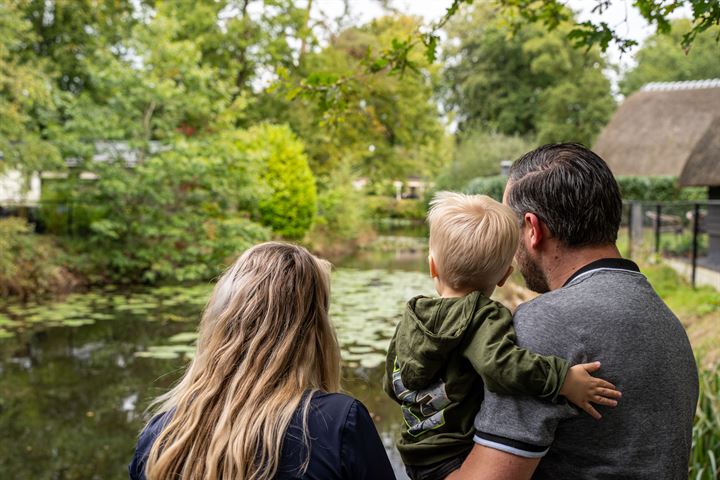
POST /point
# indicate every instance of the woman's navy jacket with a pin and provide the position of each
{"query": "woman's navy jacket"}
(344, 443)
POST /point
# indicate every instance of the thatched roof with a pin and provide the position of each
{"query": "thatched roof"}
(703, 165)
(667, 129)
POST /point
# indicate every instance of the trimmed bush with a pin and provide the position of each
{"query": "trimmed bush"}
(288, 197)
(491, 186)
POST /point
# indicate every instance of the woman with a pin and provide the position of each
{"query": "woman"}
(259, 400)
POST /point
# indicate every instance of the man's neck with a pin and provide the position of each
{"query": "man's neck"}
(565, 262)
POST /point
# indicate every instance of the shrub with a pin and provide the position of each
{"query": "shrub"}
(479, 154)
(389, 207)
(490, 186)
(342, 217)
(341, 209)
(288, 200)
(657, 189)
(177, 216)
(29, 263)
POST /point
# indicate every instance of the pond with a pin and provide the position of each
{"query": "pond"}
(76, 375)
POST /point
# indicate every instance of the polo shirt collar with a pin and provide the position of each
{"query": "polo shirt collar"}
(605, 263)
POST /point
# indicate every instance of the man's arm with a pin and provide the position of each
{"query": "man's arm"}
(486, 463)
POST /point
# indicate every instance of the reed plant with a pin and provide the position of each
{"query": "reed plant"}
(705, 455)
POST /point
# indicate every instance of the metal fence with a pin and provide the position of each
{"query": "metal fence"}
(687, 231)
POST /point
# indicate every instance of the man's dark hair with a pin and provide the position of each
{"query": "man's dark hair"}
(571, 189)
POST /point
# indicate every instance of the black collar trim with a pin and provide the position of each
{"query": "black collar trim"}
(614, 263)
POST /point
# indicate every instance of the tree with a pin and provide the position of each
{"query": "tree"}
(382, 126)
(527, 82)
(179, 215)
(661, 59)
(26, 98)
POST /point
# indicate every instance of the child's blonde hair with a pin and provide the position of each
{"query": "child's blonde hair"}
(473, 239)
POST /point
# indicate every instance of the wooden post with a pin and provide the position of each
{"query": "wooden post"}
(658, 212)
(696, 230)
(629, 227)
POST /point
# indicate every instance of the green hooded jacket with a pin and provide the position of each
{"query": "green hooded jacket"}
(442, 352)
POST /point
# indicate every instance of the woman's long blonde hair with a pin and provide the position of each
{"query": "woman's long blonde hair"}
(265, 340)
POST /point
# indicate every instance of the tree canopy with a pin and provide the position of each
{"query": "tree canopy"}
(661, 59)
(526, 82)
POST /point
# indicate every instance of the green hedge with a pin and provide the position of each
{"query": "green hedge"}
(491, 186)
(658, 189)
(649, 189)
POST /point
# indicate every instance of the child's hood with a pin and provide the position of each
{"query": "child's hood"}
(430, 329)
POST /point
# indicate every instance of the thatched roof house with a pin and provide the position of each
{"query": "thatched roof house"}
(667, 129)
(671, 129)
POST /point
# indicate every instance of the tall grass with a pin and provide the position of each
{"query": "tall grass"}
(705, 453)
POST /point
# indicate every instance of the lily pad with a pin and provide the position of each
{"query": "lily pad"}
(184, 337)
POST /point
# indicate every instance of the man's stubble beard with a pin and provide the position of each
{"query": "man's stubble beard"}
(535, 278)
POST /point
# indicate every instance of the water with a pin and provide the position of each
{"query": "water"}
(77, 375)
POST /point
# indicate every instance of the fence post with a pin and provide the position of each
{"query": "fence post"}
(637, 224)
(696, 230)
(658, 212)
(630, 232)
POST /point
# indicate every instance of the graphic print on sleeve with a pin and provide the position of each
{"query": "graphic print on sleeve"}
(423, 410)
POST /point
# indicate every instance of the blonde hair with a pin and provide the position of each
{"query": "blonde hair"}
(473, 239)
(265, 345)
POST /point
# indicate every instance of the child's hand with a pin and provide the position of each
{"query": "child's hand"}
(581, 388)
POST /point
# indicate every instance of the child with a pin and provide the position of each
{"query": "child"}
(445, 348)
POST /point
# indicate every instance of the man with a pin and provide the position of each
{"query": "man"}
(596, 306)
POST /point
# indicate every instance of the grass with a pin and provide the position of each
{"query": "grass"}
(706, 430)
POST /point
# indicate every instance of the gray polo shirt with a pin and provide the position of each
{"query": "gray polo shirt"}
(607, 312)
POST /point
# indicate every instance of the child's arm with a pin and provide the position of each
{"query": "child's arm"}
(508, 369)
(581, 388)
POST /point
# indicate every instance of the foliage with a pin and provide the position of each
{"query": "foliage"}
(180, 215)
(552, 13)
(706, 428)
(661, 59)
(29, 263)
(527, 82)
(342, 211)
(658, 189)
(384, 126)
(479, 154)
(381, 207)
(26, 98)
(288, 197)
(491, 186)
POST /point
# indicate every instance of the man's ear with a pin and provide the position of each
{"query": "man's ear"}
(505, 277)
(433, 267)
(533, 229)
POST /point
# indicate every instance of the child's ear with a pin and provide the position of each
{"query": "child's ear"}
(506, 276)
(433, 267)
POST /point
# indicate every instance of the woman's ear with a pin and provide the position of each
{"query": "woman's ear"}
(433, 267)
(505, 277)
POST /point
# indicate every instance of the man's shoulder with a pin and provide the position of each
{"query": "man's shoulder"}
(544, 325)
